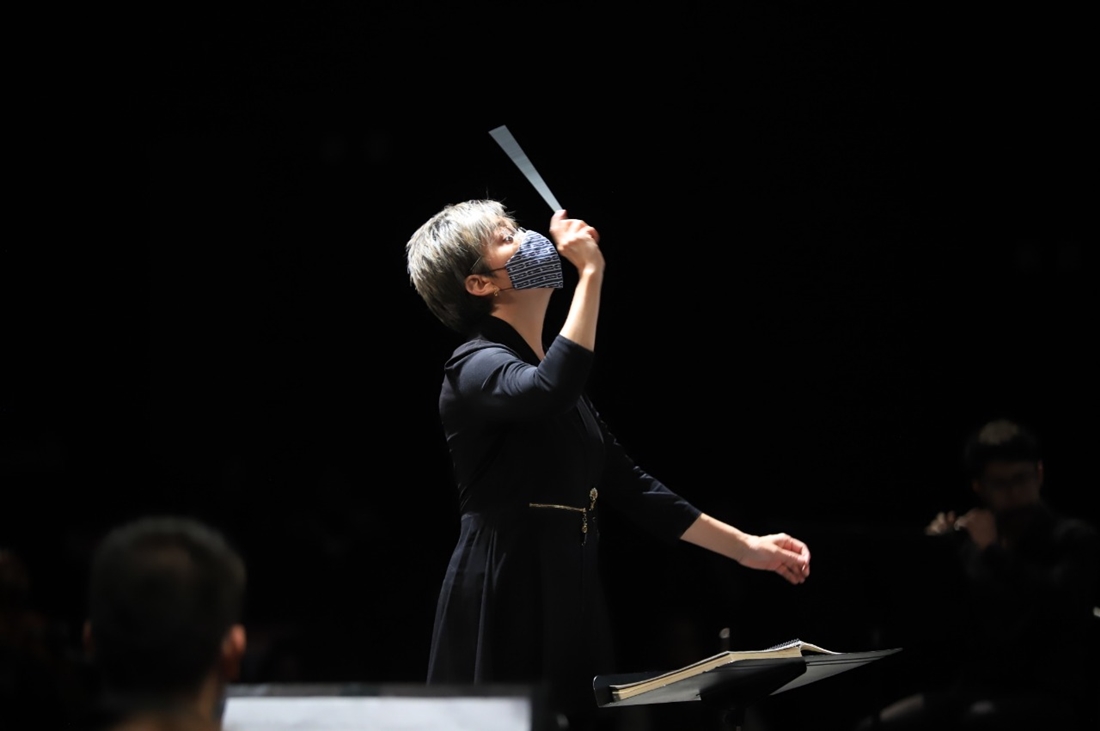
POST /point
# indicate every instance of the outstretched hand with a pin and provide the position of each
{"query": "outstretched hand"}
(778, 552)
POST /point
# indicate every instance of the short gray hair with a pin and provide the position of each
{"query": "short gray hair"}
(447, 249)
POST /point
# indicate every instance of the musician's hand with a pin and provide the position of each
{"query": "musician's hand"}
(942, 523)
(981, 525)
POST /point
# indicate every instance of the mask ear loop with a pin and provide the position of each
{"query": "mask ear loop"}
(520, 234)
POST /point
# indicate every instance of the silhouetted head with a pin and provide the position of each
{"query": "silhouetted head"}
(165, 603)
(1005, 465)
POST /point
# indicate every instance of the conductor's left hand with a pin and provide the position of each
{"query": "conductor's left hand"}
(778, 552)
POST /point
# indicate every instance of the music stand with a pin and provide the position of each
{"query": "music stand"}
(731, 689)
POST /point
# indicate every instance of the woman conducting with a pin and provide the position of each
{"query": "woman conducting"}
(534, 464)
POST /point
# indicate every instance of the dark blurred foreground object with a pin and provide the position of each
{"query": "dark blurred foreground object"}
(39, 680)
(351, 706)
(163, 633)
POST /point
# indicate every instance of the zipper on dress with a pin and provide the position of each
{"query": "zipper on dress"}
(592, 495)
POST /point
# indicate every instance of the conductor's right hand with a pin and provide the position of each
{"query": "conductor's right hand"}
(578, 242)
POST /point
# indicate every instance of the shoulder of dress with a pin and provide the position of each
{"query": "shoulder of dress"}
(474, 348)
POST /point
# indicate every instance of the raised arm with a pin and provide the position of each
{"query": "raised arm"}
(504, 386)
(493, 380)
(579, 244)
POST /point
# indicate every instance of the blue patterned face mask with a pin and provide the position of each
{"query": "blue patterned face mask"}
(536, 263)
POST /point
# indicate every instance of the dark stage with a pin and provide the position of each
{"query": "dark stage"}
(837, 241)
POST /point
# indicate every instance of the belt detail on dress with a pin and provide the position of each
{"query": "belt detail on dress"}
(592, 495)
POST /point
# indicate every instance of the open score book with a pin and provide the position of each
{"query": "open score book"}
(793, 648)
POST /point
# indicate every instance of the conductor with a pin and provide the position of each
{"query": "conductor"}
(534, 464)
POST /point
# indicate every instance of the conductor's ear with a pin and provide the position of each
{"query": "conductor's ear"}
(480, 286)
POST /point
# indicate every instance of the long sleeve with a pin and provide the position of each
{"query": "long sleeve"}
(640, 496)
(502, 412)
(495, 384)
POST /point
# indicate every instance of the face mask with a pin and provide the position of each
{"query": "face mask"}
(536, 264)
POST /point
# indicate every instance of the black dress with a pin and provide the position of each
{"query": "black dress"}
(521, 601)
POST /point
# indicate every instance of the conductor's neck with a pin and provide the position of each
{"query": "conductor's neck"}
(527, 315)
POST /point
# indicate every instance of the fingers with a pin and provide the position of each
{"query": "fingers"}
(577, 242)
(943, 522)
(781, 554)
(799, 565)
(559, 222)
(787, 573)
(939, 524)
(792, 573)
(794, 546)
(579, 228)
(795, 556)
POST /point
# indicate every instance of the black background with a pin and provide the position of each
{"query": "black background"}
(837, 241)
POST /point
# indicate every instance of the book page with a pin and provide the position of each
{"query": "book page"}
(803, 646)
(627, 690)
